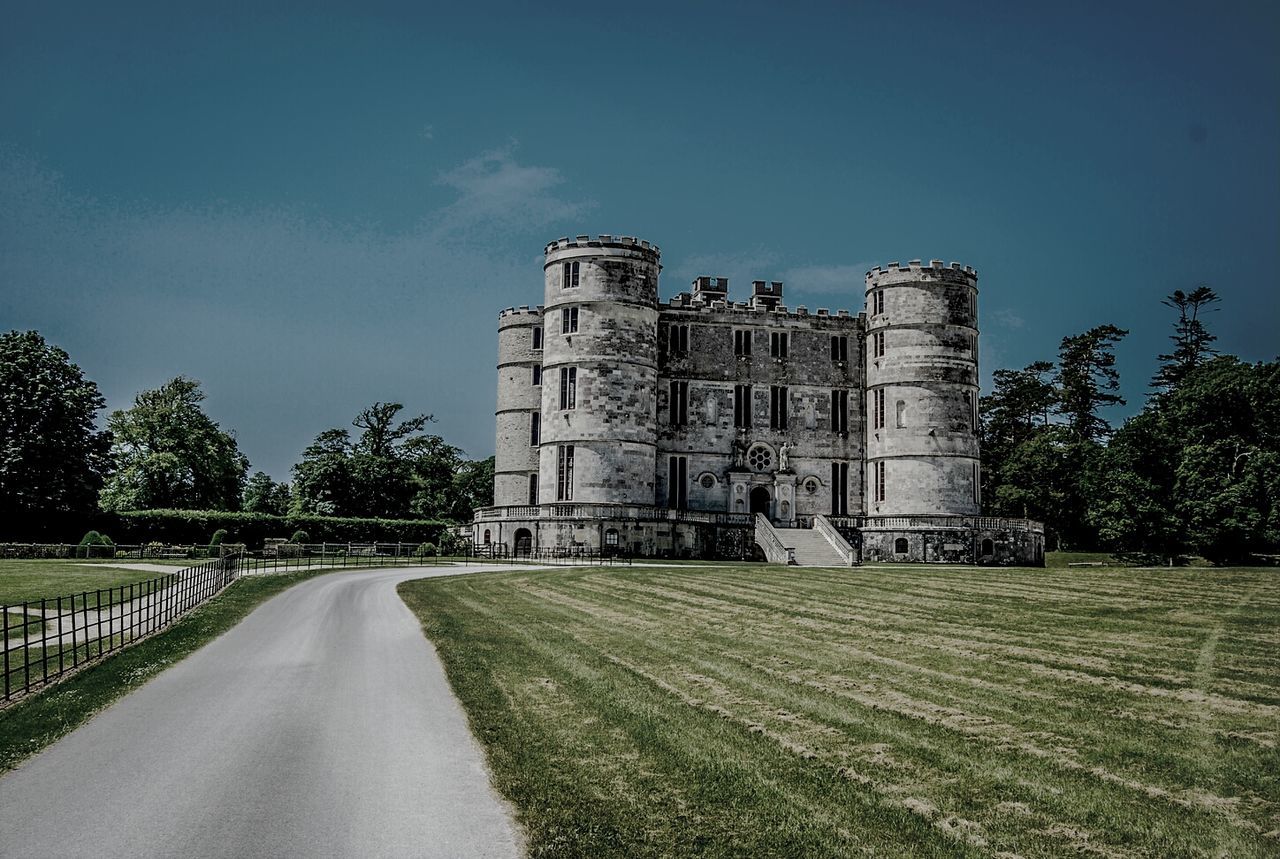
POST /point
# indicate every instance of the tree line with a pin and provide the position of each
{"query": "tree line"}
(1195, 472)
(164, 452)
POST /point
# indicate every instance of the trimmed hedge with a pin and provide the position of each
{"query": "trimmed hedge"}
(192, 527)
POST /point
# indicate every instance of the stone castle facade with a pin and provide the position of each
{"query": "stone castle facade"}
(709, 427)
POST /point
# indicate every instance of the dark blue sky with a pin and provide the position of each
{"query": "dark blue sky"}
(312, 210)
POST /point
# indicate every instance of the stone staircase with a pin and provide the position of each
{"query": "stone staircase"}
(812, 548)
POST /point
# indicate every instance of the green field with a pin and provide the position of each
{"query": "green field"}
(32, 580)
(882, 711)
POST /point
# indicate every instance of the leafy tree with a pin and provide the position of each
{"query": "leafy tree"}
(1007, 418)
(393, 469)
(170, 454)
(322, 481)
(264, 495)
(53, 459)
(1087, 379)
(472, 488)
(1190, 337)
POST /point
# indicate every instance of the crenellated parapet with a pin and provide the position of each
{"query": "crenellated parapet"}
(915, 270)
(585, 245)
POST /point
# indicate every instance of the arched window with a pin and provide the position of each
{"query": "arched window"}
(902, 413)
(487, 538)
(900, 546)
(988, 547)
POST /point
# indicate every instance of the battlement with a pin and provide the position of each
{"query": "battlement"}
(604, 241)
(914, 269)
(746, 313)
(533, 313)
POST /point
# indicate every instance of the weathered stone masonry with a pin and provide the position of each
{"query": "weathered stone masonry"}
(632, 425)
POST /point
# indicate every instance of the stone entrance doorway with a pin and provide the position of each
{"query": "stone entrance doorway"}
(524, 541)
(760, 500)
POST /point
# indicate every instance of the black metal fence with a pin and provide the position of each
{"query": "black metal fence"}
(495, 553)
(47, 638)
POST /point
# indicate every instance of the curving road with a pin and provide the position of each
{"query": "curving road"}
(321, 725)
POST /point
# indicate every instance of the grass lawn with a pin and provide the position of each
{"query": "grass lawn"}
(34, 722)
(31, 580)
(881, 711)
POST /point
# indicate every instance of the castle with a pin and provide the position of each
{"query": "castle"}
(711, 428)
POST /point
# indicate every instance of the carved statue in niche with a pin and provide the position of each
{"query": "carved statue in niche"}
(739, 453)
(784, 456)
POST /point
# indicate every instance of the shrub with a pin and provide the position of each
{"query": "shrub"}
(450, 543)
(216, 540)
(300, 536)
(92, 545)
(191, 526)
(425, 550)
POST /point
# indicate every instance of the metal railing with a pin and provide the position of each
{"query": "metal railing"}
(611, 511)
(48, 638)
(836, 539)
(771, 544)
(979, 523)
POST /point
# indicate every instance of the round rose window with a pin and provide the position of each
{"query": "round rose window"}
(760, 457)
(708, 481)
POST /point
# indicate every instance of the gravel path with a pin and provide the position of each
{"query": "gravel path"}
(321, 725)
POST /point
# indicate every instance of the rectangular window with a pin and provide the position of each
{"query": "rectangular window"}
(742, 406)
(537, 374)
(777, 344)
(839, 348)
(533, 489)
(973, 346)
(537, 338)
(568, 387)
(678, 340)
(877, 341)
(570, 279)
(880, 491)
(777, 407)
(839, 489)
(569, 320)
(973, 411)
(678, 483)
(678, 404)
(564, 472)
(840, 411)
(877, 299)
(535, 429)
(877, 409)
(977, 483)
(742, 344)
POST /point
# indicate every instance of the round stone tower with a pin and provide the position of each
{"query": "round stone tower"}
(515, 455)
(599, 421)
(922, 390)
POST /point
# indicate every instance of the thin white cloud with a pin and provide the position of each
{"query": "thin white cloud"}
(494, 189)
(263, 304)
(1007, 318)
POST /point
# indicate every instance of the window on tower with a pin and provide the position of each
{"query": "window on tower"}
(778, 344)
(568, 387)
(564, 472)
(537, 338)
(569, 320)
(570, 278)
(742, 343)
